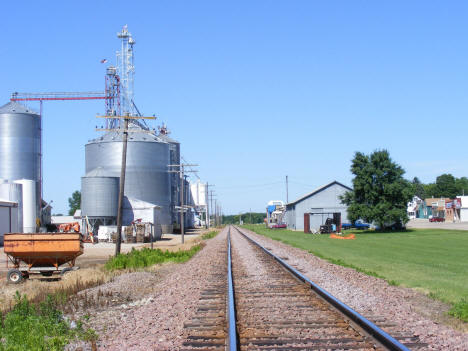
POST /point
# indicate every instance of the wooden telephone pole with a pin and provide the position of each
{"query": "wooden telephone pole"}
(123, 168)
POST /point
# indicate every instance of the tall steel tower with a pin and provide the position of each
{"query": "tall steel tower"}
(126, 71)
(112, 97)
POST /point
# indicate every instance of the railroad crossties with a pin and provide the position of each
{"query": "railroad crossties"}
(185, 306)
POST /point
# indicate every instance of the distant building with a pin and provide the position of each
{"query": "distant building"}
(463, 208)
(412, 207)
(417, 208)
(437, 206)
(322, 202)
(452, 210)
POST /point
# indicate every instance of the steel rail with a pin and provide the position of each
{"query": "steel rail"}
(384, 338)
(232, 325)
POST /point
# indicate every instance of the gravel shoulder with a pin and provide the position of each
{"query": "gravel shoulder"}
(412, 311)
(147, 310)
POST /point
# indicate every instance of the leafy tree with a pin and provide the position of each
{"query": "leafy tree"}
(74, 202)
(462, 185)
(380, 193)
(431, 190)
(247, 218)
(418, 188)
(446, 186)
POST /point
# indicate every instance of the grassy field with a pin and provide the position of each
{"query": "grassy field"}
(430, 260)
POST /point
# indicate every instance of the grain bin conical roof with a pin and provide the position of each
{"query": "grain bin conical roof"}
(16, 107)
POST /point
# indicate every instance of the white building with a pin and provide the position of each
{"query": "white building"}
(320, 204)
(413, 206)
(463, 208)
(199, 192)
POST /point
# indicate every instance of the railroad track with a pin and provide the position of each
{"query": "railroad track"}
(262, 303)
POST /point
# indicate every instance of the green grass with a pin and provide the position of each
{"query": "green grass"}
(210, 235)
(148, 257)
(40, 326)
(433, 261)
(460, 310)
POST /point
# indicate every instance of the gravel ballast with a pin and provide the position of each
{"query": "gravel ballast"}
(369, 295)
(274, 308)
(154, 321)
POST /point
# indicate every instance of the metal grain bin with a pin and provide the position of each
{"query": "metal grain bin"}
(147, 176)
(99, 196)
(174, 147)
(20, 144)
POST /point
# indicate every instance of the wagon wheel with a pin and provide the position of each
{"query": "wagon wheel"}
(14, 276)
(66, 271)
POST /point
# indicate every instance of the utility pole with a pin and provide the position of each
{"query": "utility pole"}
(208, 206)
(250, 215)
(127, 117)
(216, 212)
(207, 225)
(287, 197)
(182, 186)
(181, 171)
(212, 209)
(122, 187)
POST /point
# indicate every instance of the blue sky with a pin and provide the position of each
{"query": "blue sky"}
(254, 90)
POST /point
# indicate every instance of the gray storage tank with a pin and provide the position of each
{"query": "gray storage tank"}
(20, 145)
(146, 177)
(174, 147)
(99, 195)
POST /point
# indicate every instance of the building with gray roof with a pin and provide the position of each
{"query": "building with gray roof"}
(322, 203)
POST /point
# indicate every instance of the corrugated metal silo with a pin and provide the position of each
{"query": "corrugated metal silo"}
(20, 140)
(146, 177)
(99, 196)
(174, 147)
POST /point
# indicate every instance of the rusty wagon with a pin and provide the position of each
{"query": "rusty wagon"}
(41, 253)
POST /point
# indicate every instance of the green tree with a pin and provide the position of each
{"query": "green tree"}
(74, 202)
(418, 188)
(446, 186)
(431, 190)
(380, 193)
(247, 218)
(462, 185)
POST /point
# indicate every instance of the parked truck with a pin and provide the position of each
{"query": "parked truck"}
(359, 224)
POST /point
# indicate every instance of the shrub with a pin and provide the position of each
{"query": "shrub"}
(40, 326)
(460, 310)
